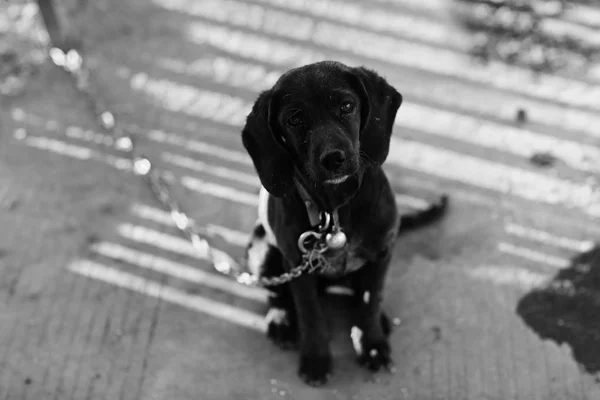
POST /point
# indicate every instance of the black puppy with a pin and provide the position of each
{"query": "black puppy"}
(318, 139)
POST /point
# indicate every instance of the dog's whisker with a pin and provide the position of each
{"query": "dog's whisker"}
(364, 159)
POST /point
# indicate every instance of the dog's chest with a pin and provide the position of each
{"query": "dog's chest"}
(354, 261)
(348, 260)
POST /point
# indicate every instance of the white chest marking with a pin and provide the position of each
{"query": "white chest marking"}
(257, 253)
(263, 215)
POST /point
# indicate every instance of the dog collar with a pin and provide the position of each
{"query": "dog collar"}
(326, 224)
(315, 215)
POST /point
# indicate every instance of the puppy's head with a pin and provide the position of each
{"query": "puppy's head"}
(326, 119)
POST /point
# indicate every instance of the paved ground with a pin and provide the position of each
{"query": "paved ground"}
(100, 298)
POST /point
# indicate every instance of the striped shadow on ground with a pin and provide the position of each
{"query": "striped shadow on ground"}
(132, 231)
(540, 236)
(414, 155)
(533, 255)
(178, 270)
(265, 50)
(390, 50)
(232, 236)
(422, 157)
(497, 177)
(437, 162)
(155, 289)
(424, 118)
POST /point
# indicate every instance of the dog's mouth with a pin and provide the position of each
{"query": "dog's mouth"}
(339, 177)
(337, 180)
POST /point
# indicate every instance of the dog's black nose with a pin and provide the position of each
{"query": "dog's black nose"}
(333, 160)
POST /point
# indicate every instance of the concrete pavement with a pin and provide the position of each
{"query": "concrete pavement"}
(102, 299)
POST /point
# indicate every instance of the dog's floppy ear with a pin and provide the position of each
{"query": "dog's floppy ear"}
(377, 121)
(262, 140)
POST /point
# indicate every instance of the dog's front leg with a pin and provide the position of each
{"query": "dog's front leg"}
(315, 356)
(370, 330)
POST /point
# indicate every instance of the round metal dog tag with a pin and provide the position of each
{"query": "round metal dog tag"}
(335, 240)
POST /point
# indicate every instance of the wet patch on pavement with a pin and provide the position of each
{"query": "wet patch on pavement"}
(543, 159)
(544, 35)
(567, 311)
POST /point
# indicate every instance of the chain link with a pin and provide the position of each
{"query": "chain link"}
(312, 260)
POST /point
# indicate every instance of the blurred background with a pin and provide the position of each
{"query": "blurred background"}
(101, 297)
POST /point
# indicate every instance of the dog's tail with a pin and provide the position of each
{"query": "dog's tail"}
(423, 217)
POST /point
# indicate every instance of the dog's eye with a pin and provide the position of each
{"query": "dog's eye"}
(295, 119)
(347, 107)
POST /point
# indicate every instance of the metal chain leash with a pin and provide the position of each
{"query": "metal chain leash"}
(73, 63)
(311, 262)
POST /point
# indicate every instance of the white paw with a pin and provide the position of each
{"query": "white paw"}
(277, 316)
(367, 297)
(356, 335)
